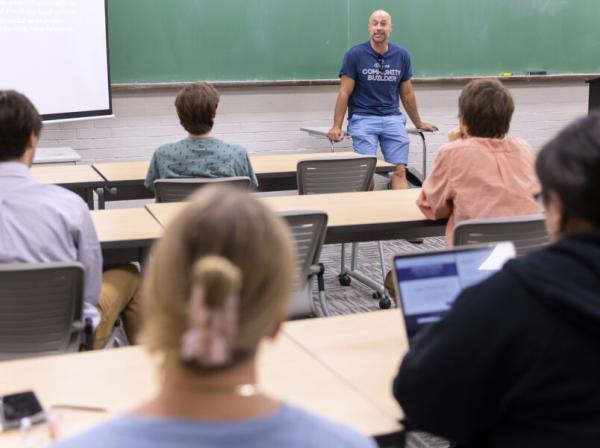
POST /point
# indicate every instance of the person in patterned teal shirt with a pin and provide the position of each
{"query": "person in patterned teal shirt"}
(199, 155)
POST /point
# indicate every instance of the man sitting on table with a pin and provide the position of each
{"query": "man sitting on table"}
(46, 223)
(199, 155)
(375, 76)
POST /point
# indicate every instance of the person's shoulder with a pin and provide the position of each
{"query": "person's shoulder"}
(464, 145)
(167, 149)
(359, 48)
(231, 147)
(520, 143)
(66, 200)
(452, 148)
(107, 435)
(324, 432)
(397, 49)
(489, 299)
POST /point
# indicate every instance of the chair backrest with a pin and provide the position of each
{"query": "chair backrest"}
(308, 230)
(40, 308)
(335, 175)
(526, 232)
(177, 190)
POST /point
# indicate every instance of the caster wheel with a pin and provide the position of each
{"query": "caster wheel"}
(385, 303)
(377, 295)
(345, 279)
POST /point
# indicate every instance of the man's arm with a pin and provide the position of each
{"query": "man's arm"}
(341, 105)
(409, 101)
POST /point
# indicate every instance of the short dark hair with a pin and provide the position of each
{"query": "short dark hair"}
(196, 107)
(18, 120)
(568, 166)
(486, 107)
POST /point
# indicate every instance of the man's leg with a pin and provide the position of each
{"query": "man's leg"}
(394, 146)
(119, 294)
(364, 130)
(399, 181)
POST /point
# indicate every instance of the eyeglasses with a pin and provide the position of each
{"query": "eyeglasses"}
(381, 63)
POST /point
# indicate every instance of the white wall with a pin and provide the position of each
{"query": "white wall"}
(267, 119)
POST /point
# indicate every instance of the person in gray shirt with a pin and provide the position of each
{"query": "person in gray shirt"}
(217, 285)
(45, 223)
(199, 155)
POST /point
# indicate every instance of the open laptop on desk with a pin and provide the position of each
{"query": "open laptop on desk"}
(428, 283)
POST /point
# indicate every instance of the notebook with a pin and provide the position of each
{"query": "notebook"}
(428, 283)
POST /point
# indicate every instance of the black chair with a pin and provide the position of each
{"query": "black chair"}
(40, 309)
(308, 229)
(526, 232)
(177, 190)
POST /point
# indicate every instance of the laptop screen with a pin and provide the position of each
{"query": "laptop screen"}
(428, 283)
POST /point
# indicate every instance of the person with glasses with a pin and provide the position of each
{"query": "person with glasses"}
(375, 76)
(516, 362)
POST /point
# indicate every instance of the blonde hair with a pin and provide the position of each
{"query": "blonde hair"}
(225, 242)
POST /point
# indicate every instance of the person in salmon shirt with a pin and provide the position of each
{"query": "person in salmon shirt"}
(482, 172)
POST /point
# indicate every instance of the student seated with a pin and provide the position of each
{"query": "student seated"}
(218, 284)
(46, 223)
(481, 173)
(198, 155)
(516, 362)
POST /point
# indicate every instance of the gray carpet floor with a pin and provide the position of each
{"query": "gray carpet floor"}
(357, 298)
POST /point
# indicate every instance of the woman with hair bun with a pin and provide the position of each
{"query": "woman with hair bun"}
(218, 283)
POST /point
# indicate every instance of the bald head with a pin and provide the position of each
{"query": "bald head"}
(381, 14)
(380, 28)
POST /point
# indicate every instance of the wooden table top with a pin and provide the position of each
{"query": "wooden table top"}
(364, 349)
(119, 380)
(343, 209)
(127, 224)
(263, 165)
(66, 174)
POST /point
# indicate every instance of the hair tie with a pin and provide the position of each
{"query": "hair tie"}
(211, 331)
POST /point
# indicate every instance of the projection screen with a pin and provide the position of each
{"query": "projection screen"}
(56, 53)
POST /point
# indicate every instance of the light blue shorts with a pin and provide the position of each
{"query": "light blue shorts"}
(389, 131)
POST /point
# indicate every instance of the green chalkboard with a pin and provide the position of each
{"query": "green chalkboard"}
(238, 40)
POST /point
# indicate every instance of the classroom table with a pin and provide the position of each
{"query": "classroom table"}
(377, 338)
(118, 380)
(125, 235)
(322, 131)
(353, 217)
(125, 180)
(81, 179)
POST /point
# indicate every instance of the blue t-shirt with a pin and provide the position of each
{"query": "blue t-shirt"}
(377, 78)
(289, 427)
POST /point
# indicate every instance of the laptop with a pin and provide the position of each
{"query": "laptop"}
(428, 283)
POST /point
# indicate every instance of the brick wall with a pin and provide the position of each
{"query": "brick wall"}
(267, 119)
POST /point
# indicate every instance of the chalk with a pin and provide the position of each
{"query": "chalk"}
(505, 74)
